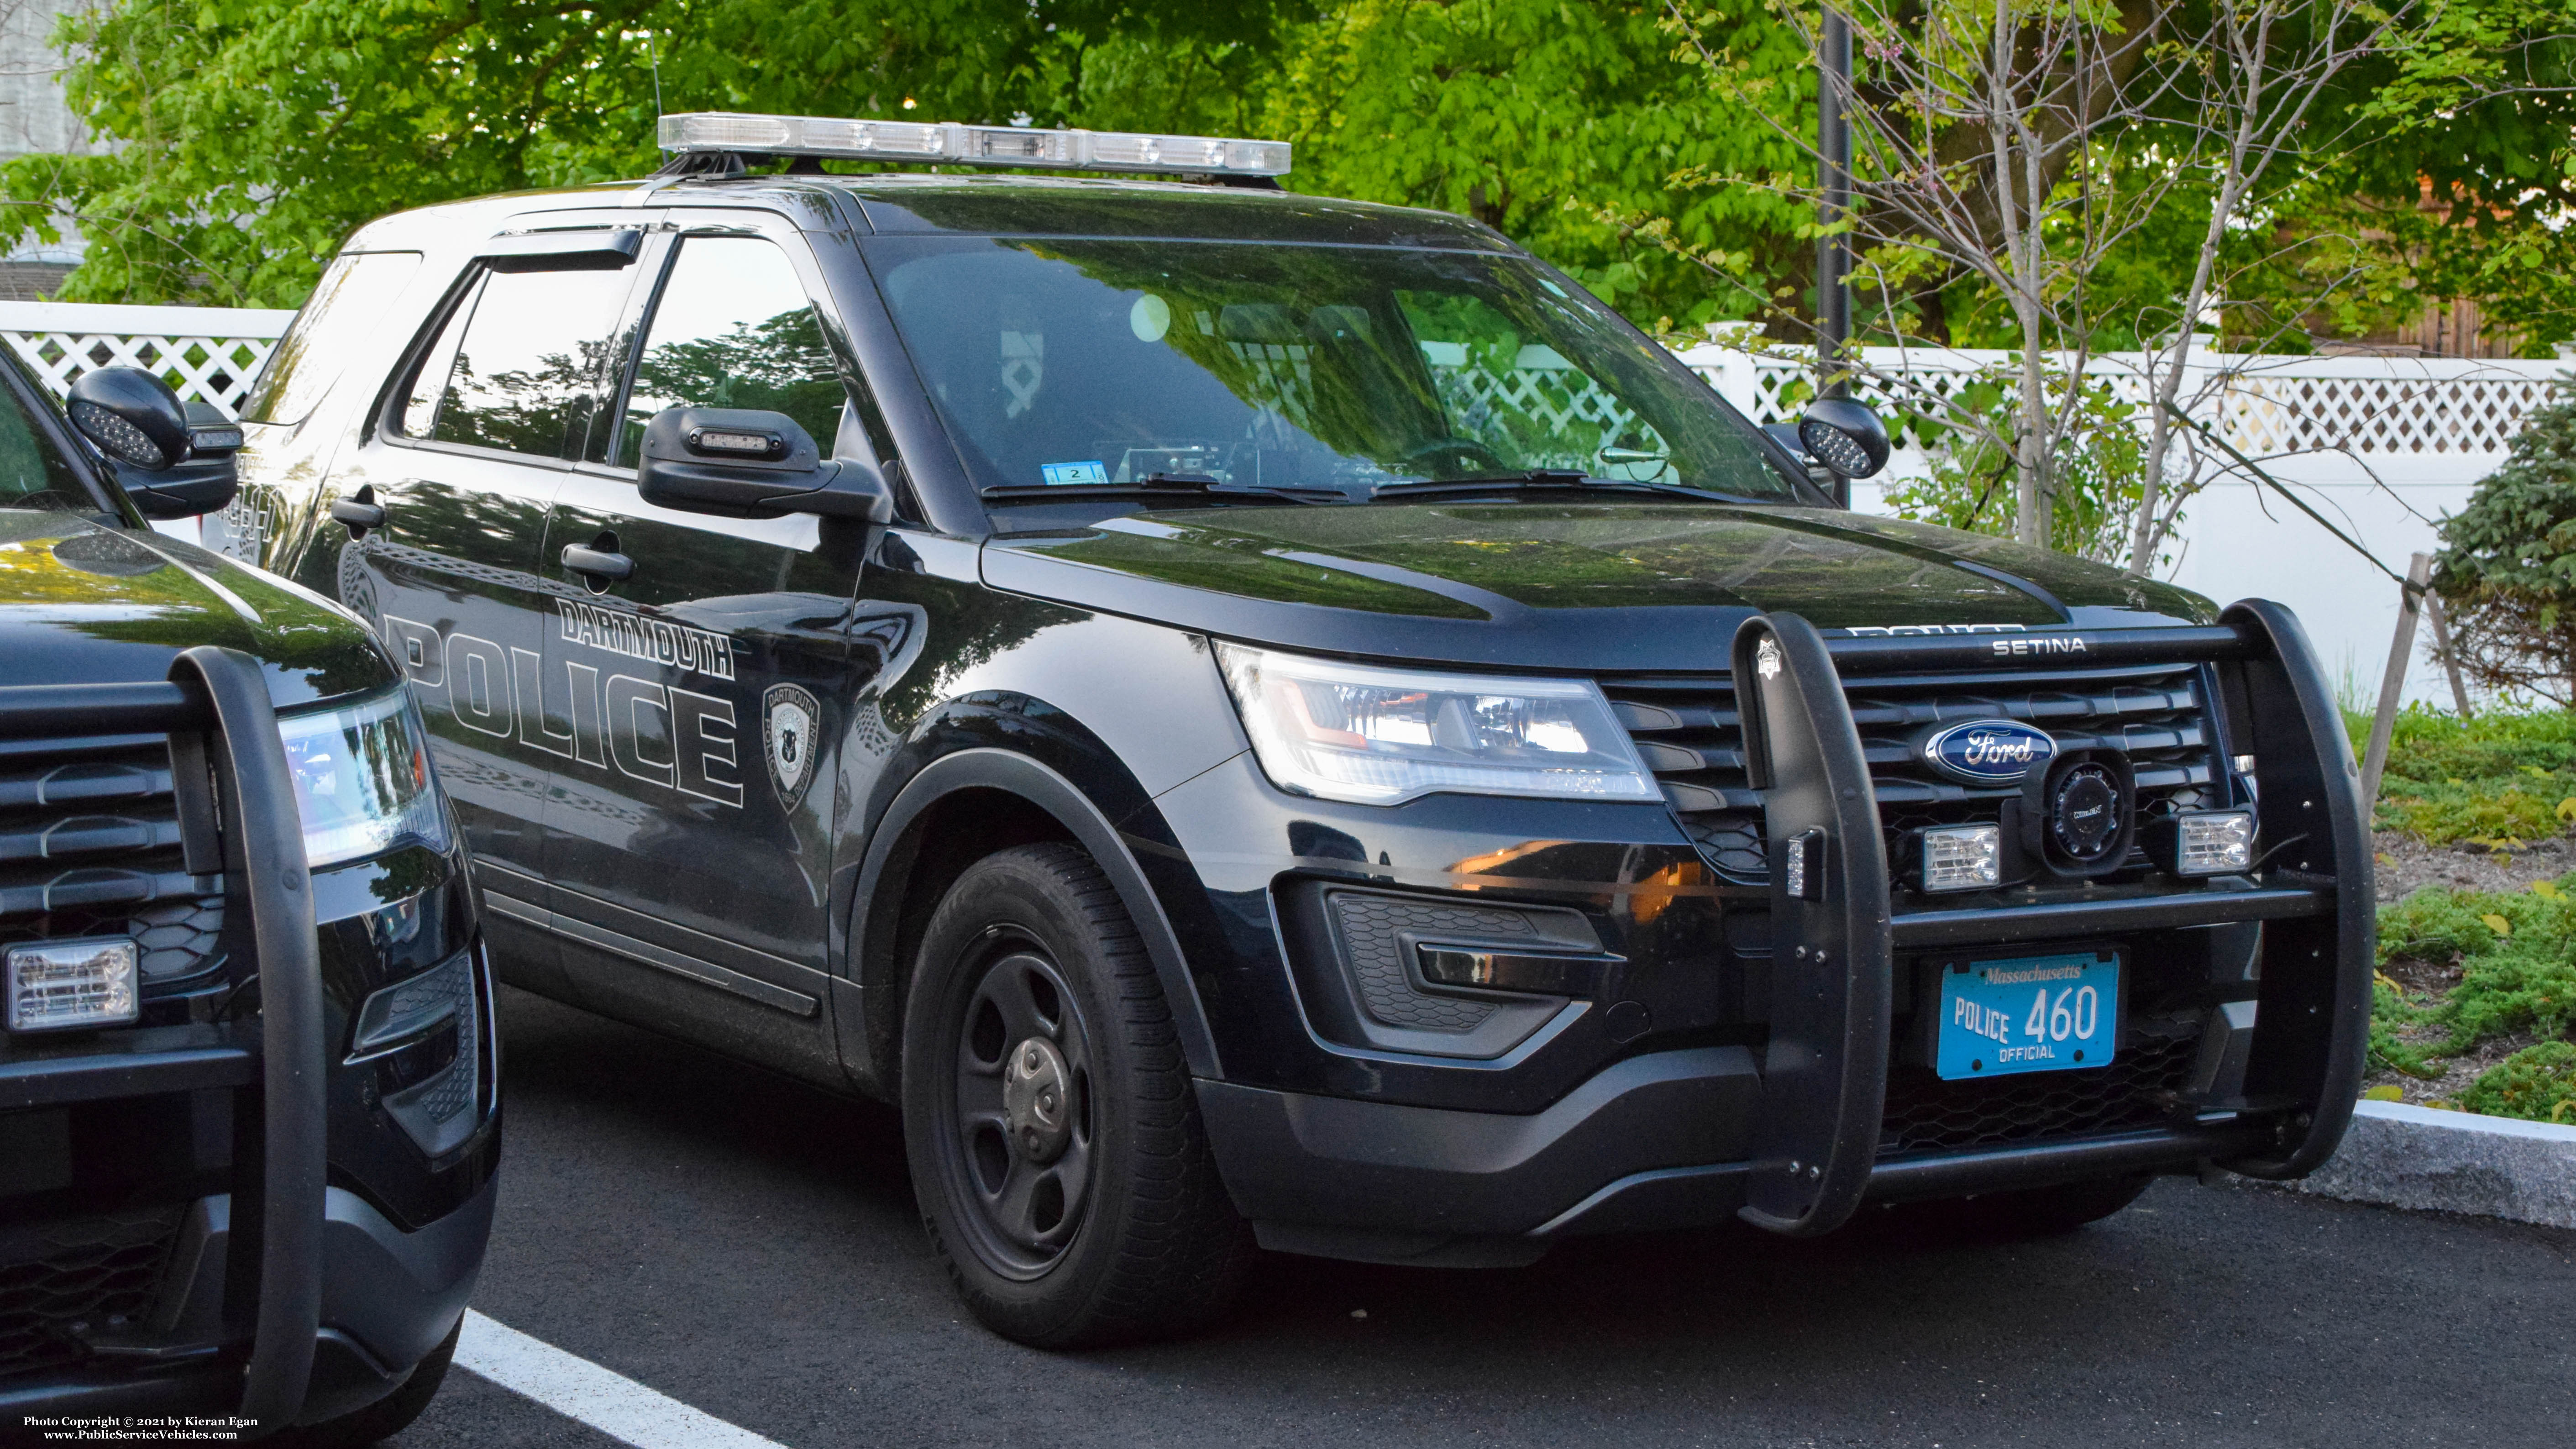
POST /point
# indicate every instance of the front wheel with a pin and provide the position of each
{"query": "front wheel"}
(1055, 1142)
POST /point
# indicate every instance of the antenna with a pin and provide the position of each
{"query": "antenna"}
(655, 56)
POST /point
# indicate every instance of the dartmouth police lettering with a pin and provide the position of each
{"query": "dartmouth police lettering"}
(676, 645)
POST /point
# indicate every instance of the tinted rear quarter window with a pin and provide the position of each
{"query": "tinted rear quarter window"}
(348, 306)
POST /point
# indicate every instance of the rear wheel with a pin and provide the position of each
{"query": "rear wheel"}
(2038, 1212)
(1055, 1142)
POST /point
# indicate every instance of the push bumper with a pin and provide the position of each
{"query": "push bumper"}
(1792, 1135)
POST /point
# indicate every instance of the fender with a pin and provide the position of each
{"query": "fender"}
(990, 768)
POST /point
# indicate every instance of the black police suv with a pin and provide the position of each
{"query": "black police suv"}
(1266, 719)
(248, 1098)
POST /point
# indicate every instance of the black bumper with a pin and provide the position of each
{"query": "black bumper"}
(1656, 1143)
(387, 1298)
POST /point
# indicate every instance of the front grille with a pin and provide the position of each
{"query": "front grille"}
(89, 846)
(62, 1278)
(2141, 1088)
(1690, 735)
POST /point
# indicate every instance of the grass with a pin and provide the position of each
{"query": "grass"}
(2517, 960)
(2537, 1083)
(2499, 780)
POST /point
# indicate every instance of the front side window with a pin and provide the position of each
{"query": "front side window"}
(517, 362)
(734, 329)
(33, 473)
(1069, 362)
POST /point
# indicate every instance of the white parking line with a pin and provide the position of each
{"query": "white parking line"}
(575, 1387)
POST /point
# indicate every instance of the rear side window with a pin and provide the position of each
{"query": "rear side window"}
(516, 363)
(348, 306)
(734, 329)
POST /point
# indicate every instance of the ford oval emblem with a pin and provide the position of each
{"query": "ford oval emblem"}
(1987, 751)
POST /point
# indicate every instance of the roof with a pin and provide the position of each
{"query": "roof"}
(1069, 206)
(915, 203)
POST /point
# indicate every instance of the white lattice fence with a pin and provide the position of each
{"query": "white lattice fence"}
(2265, 405)
(208, 353)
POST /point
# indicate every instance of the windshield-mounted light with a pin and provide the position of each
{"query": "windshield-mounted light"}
(951, 144)
(363, 782)
(1378, 736)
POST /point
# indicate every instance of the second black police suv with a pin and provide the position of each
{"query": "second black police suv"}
(1268, 720)
(249, 1097)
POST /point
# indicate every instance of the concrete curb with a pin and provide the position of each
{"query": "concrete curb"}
(2460, 1162)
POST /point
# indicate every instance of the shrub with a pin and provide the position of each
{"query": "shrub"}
(2507, 569)
(2537, 1083)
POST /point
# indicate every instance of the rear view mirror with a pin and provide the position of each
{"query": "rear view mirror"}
(749, 463)
(174, 459)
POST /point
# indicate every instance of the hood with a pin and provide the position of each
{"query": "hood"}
(85, 604)
(1578, 586)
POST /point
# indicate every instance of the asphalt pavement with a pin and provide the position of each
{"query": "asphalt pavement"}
(749, 1246)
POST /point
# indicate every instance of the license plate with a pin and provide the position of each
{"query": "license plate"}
(2029, 1014)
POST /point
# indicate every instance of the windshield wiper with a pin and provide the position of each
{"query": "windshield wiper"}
(1173, 486)
(1541, 479)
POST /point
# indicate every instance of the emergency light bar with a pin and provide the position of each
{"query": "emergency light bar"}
(948, 143)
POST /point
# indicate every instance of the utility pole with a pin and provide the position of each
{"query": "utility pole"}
(1833, 251)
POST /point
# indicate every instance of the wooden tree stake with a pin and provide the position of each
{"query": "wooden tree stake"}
(2401, 652)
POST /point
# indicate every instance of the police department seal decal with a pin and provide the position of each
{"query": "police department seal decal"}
(790, 717)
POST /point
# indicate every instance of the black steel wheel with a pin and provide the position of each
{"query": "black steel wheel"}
(1022, 1109)
(1056, 1149)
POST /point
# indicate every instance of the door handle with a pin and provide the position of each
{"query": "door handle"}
(594, 563)
(359, 512)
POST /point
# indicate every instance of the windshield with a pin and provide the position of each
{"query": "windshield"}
(1064, 363)
(33, 474)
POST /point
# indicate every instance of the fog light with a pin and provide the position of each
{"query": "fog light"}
(1962, 857)
(69, 985)
(2215, 843)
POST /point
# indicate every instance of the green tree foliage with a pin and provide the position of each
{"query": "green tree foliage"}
(253, 135)
(2507, 569)
(2458, 173)
(1542, 118)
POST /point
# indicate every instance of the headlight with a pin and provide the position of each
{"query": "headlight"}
(362, 779)
(1384, 736)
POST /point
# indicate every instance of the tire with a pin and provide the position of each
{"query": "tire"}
(387, 1416)
(1093, 1215)
(2039, 1212)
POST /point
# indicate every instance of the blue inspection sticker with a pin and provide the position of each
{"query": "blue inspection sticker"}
(2032, 1014)
(1059, 475)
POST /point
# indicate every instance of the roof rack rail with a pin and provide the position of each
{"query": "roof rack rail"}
(949, 143)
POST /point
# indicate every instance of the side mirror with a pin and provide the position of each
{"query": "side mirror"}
(748, 463)
(174, 459)
(1845, 436)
